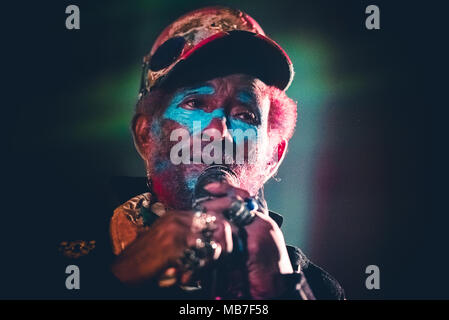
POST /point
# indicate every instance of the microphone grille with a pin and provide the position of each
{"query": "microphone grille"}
(215, 173)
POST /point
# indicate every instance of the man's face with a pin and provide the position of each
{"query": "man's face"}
(221, 121)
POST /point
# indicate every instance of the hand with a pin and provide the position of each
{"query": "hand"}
(156, 252)
(267, 254)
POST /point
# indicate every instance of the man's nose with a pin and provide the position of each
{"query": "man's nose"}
(219, 124)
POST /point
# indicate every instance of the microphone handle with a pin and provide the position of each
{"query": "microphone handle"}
(215, 173)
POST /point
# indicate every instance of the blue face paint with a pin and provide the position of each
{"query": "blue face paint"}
(246, 97)
(191, 181)
(188, 118)
(236, 124)
(156, 128)
(161, 165)
(242, 130)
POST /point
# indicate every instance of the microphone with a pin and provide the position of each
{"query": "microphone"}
(216, 283)
(240, 213)
(214, 173)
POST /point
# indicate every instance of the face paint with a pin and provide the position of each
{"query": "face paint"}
(191, 180)
(186, 117)
(161, 165)
(242, 128)
(174, 183)
(246, 97)
(156, 128)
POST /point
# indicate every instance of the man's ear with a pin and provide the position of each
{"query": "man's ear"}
(141, 134)
(277, 158)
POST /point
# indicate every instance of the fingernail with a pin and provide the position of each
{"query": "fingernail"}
(170, 272)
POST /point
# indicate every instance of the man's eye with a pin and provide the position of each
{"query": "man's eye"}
(191, 104)
(246, 116)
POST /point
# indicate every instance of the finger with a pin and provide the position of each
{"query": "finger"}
(261, 224)
(223, 237)
(217, 188)
(217, 204)
(186, 276)
(223, 188)
(168, 278)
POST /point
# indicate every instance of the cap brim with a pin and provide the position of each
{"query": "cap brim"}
(235, 52)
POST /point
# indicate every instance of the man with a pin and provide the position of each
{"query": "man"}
(212, 125)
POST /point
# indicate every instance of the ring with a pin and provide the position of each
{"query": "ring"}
(242, 213)
(199, 255)
(204, 249)
(204, 223)
(190, 260)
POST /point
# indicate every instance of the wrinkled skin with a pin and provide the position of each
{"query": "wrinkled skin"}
(235, 101)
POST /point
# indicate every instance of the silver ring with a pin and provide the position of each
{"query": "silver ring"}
(198, 255)
(204, 223)
(204, 249)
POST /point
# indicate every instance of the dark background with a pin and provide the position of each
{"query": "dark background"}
(363, 182)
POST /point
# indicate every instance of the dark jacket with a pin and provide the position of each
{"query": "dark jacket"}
(94, 257)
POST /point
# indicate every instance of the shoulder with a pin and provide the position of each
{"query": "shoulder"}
(128, 221)
(323, 285)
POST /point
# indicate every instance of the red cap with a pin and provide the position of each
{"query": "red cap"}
(214, 41)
